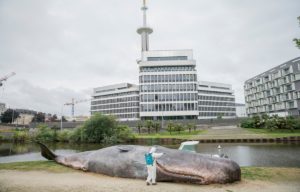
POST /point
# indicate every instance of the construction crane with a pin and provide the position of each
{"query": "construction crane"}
(6, 77)
(73, 102)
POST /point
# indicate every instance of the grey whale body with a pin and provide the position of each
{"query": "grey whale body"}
(128, 161)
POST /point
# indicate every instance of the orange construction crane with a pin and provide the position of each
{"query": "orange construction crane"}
(6, 77)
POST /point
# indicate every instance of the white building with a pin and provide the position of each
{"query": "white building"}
(276, 91)
(120, 100)
(168, 88)
(168, 85)
(240, 110)
(215, 100)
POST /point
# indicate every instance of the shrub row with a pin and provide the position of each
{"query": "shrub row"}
(271, 122)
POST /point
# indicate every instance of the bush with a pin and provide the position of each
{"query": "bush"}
(76, 135)
(64, 135)
(271, 124)
(20, 136)
(248, 123)
(45, 134)
(98, 127)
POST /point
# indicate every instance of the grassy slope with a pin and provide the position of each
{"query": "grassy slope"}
(182, 135)
(248, 173)
(275, 133)
(50, 166)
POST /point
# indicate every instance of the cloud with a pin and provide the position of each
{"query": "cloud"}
(62, 49)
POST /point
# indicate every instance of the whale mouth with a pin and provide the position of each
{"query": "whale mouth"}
(179, 175)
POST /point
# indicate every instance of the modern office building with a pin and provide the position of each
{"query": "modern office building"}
(168, 88)
(276, 91)
(215, 100)
(240, 110)
(120, 100)
(168, 85)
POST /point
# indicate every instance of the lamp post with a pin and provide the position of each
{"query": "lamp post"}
(61, 117)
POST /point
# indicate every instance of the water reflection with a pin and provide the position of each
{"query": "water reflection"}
(276, 155)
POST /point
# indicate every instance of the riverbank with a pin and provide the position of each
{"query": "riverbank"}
(48, 176)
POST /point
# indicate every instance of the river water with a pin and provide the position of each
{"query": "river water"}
(262, 154)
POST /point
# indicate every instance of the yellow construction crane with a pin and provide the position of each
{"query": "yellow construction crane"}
(6, 77)
(73, 102)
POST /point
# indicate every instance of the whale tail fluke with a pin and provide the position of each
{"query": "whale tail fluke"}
(46, 152)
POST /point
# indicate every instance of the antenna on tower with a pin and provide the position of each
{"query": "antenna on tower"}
(144, 31)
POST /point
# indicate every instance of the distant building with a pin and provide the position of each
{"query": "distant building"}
(120, 100)
(240, 110)
(2, 108)
(276, 91)
(215, 100)
(25, 116)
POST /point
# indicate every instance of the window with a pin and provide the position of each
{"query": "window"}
(167, 58)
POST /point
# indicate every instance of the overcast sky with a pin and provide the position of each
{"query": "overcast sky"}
(61, 49)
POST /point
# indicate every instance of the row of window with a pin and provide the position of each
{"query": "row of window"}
(167, 78)
(169, 97)
(216, 109)
(202, 97)
(212, 103)
(114, 111)
(168, 87)
(167, 68)
(216, 114)
(116, 100)
(168, 58)
(123, 116)
(117, 94)
(116, 105)
(214, 92)
(169, 107)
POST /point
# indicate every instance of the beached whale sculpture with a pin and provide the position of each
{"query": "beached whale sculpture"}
(128, 161)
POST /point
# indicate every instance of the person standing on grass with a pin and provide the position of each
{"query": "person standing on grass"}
(150, 158)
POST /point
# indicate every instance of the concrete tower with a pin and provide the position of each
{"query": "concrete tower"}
(144, 31)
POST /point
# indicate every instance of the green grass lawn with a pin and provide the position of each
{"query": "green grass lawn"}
(249, 173)
(275, 133)
(165, 134)
(50, 166)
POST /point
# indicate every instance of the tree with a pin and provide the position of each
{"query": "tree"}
(190, 126)
(139, 126)
(39, 117)
(156, 126)
(297, 41)
(9, 116)
(149, 125)
(53, 118)
(170, 127)
(179, 127)
(64, 119)
(99, 127)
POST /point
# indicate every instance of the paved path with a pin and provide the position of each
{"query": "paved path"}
(28, 181)
(228, 132)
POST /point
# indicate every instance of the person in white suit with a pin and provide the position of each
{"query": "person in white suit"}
(150, 158)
